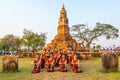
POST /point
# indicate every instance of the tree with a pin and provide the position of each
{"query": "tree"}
(34, 40)
(10, 42)
(98, 47)
(86, 36)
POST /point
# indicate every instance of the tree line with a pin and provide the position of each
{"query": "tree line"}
(82, 33)
(29, 41)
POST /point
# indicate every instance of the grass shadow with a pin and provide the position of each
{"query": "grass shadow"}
(102, 71)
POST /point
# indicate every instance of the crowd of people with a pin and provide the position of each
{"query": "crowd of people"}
(3, 52)
(57, 58)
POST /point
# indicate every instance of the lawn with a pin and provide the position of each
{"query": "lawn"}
(92, 70)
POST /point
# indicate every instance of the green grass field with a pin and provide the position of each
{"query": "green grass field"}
(92, 70)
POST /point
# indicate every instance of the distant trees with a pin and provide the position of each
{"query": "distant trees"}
(84, 35)
(30, 39)
(33, 40)
(10, 42)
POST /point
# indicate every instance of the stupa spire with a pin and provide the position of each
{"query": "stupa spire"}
(63, 8)
(63, 20)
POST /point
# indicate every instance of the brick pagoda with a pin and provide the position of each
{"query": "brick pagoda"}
(63, 38)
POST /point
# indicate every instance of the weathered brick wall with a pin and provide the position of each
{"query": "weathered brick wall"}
(10, 63)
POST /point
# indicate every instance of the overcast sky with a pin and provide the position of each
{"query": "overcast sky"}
(42, 16)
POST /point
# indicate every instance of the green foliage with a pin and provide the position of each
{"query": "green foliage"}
(106, 30)
(98, 46)
(86, 36)
(33, 40)
(30, 39)
(10, 42)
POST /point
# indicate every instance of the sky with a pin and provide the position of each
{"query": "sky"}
(42, 16)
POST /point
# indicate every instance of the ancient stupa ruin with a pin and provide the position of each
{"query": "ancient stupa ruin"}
(63, 38)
